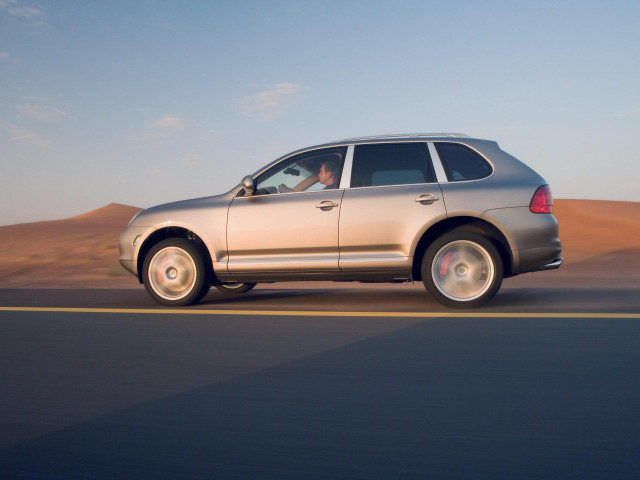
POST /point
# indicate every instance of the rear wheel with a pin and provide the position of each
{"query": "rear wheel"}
(235, 287)
(174, 273)
(462, 270)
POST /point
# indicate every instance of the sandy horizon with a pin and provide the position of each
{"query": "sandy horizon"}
(600, 240)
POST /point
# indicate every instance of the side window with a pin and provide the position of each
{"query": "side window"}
(462, 163)
(391, 164)
(309, 171)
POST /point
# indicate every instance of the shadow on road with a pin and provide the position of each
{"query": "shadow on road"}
(454, 398)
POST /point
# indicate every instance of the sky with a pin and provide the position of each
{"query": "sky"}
(147, 102)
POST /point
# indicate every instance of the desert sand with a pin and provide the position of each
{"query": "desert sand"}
(600, 239)
(78, 252)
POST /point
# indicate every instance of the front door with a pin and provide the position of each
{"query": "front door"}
(291, 224)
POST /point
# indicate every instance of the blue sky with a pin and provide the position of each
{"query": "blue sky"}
(146, 102)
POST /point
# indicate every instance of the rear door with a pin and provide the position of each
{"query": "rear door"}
(393, 198)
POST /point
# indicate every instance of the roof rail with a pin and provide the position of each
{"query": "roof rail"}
(403, 135)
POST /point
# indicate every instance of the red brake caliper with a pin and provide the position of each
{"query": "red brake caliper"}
(445, 264)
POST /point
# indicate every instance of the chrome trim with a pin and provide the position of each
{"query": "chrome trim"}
(327, 205)
(550, 266)
(441, 176)
(427, 198)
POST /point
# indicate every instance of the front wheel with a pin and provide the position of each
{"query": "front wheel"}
(462, 270)
(174, 273)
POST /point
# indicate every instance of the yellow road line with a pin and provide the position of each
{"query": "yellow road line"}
(304, 313)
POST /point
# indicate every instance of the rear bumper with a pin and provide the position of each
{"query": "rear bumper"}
(533, 238)
(538, 259)
(550, 266)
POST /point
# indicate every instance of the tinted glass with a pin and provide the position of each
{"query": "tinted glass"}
(462, 163)
(302, 173)
(391, 164)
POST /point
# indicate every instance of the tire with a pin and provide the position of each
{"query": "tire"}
(235, 287)
(174, 273)
(462, 270)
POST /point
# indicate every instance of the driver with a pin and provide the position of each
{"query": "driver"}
(328, 174)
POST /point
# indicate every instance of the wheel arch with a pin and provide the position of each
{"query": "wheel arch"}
(463, 223)
(173, 232)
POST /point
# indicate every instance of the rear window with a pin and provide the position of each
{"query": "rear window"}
(391, 164)
(461, 163)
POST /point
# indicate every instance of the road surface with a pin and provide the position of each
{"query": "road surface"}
(322, 382)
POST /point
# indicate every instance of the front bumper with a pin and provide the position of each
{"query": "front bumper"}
(129, 243)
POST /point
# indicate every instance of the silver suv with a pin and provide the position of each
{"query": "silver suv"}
(456, 212)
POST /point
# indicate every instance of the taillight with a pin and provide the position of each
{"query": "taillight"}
(542, 201)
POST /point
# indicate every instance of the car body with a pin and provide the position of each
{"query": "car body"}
(456, 212)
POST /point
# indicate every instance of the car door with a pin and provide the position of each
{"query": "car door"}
(291, 224)
(393, 198)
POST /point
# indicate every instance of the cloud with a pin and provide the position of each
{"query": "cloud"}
(26, 136)
(269, 103)
(30, 14)
(4, 54)
(43, 113)
(162, 127)
(169, 122)
(630, 112)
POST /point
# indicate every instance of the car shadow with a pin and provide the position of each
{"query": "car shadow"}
(444, 398)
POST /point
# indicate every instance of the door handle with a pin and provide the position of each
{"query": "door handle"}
(327, 205)
(427, 199)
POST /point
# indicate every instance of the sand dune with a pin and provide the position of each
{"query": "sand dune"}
(77, 252)
(599, 238)
(116, 211)
(592, 227)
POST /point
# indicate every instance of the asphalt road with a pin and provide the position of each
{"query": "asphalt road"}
(518, 294)
(125, 392)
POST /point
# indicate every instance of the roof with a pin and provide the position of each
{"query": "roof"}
(401, 136)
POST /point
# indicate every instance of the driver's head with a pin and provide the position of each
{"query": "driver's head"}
(327, 173)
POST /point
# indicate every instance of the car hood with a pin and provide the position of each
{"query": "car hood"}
(164, 213)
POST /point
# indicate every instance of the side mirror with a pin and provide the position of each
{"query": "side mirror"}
(248, 184)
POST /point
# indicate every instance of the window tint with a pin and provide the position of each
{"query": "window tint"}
(462, 163)
(391, 164)
(316, 170)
